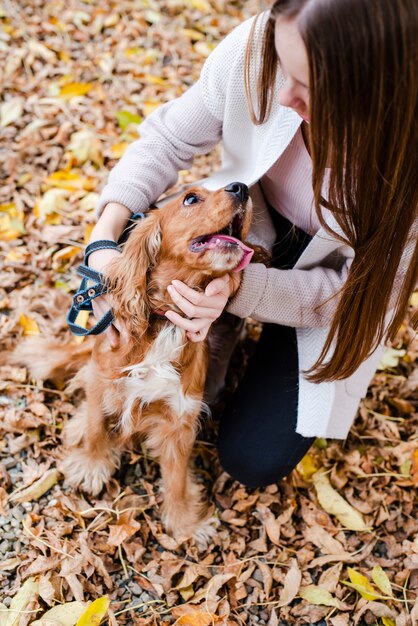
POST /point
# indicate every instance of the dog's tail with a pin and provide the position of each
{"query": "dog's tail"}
(47, 359)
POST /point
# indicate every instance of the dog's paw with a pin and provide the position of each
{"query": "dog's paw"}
(204, 532)
(87, 473)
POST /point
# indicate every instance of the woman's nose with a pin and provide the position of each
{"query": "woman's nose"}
(288, 94)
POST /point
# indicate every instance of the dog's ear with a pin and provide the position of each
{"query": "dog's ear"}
(128, 274)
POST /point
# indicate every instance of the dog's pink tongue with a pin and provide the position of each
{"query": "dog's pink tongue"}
(225, 240)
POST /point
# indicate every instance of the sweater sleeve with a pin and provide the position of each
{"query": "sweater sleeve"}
(293, 297)
(169, 139)
(179, 130)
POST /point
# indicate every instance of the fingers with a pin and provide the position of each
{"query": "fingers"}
(218, 285)
(187, 306)
(201, 309)
(196, 325)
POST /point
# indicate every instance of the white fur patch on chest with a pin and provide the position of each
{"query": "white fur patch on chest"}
(156, 378)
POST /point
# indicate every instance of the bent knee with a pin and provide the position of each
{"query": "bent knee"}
(253, 471)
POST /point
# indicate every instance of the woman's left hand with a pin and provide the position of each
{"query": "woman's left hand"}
(201, 309)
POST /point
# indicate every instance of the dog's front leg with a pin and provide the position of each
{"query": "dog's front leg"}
(93, 450)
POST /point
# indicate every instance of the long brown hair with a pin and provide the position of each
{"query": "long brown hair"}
(363, 88)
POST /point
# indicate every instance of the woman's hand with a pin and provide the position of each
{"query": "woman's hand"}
(98, 261)
(111, 223)
(201, 309)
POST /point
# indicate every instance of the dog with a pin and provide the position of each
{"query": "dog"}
(151, 386)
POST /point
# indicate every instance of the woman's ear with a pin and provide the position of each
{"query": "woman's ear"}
(128, 275)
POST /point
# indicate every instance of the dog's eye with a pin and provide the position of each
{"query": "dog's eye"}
(191, 198)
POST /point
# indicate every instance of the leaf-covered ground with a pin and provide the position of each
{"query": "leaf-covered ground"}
(77, 77)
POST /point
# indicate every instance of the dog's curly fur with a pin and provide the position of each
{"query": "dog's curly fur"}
(152, 385)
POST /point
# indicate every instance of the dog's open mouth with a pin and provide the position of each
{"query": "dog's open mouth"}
(225, 240)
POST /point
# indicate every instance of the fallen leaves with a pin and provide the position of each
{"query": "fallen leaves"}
(94, 613)
(11, 222)
(72, 90)
(38, 488)
(77, 81)
(332, 502)
(10, 111)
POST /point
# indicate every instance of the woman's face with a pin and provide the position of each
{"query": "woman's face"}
(293, 61)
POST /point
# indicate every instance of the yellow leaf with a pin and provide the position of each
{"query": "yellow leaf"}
(64, 56)
(23, 179)
(38, 488)
(64, 179)
(204, 48)
(131, 51)
(126, 117)
(307, 466)
(199, 5)
(198, 618)
(361, 584)
(15, 255)
(81, 319)
(119, 148)
(63, 256)
(85, 146)
(64, 614)
(387, 621)
(414, 300)
(333, 503)
(87, 232)
(10, 111)
(194, 35)
(318, 596)
(148, 106)
(24, 597)
(70, 90)
(95, 612)
(151, 79)
(30, 327)
(10, 228)
(381, 580)
(187, 592)
(11, 222)
(89, 202)
(152, 17)
(61, 284)
(390, 358)
(52, 201)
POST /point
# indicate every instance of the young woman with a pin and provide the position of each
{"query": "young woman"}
(316, 103)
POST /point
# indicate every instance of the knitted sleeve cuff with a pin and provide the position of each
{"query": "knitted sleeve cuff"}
(252, 287)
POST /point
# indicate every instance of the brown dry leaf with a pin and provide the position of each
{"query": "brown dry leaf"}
(291, 586)
(121, 531)
(198, 618)
(323, 540)
(66, 70)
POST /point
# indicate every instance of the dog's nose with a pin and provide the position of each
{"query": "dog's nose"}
(239, 190)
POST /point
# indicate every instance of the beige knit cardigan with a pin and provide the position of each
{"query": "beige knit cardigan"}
(213, 110)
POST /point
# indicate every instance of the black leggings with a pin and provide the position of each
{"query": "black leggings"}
(258, 444)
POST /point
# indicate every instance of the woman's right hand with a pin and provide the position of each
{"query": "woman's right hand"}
(109, 226)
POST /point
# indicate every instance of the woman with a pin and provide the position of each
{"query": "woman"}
(316, 103)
